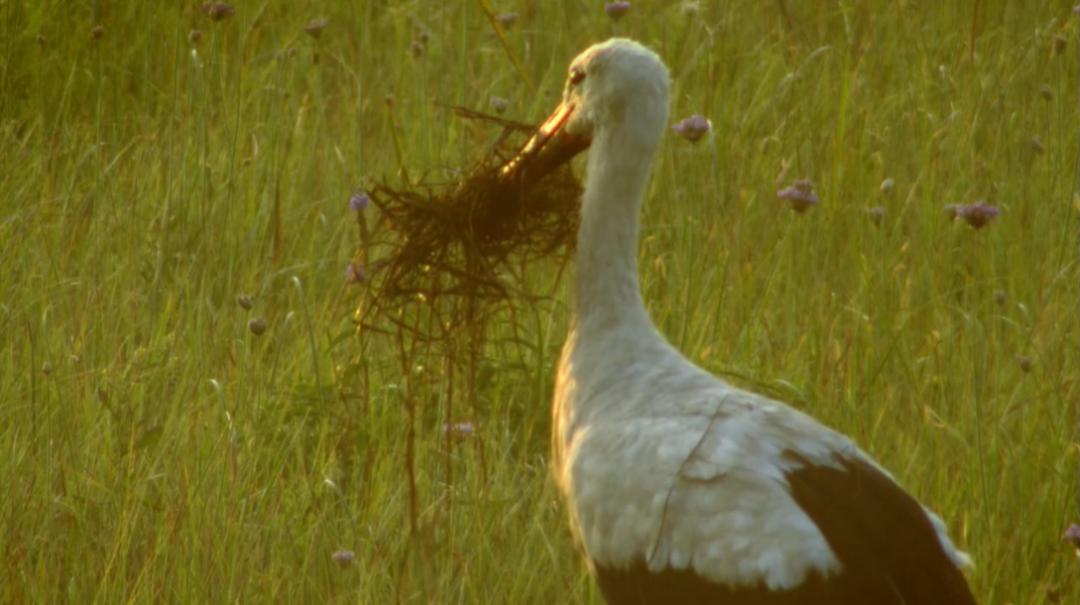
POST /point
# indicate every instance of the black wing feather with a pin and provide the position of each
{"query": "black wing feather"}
(878, 532)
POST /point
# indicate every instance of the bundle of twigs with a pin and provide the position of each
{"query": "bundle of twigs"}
(461, 246)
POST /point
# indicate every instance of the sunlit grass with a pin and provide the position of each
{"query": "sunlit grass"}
(154, 448)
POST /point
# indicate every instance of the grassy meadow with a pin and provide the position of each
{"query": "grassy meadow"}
(153, 448)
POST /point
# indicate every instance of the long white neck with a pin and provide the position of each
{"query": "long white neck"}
(608, 298)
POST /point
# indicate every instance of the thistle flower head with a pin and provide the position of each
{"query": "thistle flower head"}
(354, 273)
(218, 11)
(1024, 362)
(693, 128)
(343, 558)
(315, 27)
(876, 214)
(616, 10)
(358, 201)
(978, 215)
(459, 430)
(1072, 535)
(507, 20)
(799, 194)
(499, 104)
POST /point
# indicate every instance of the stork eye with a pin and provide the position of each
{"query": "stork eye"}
(576, 76)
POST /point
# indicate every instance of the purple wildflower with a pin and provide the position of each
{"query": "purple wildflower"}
(1072, 535)
(358, 201)
(1024, 362)
(616, 10)
(978, 215)
(354, 273)
(316, 26)
(507, 20)
(343, 558)
(245, 301)
(499, 104)
(876, 214)
(693, 128)
(800, 194)
(218, 11)
(459, 430)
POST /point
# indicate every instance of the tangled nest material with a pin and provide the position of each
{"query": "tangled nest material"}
(461, 248)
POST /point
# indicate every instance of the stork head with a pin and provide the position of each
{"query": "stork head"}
(616, 89)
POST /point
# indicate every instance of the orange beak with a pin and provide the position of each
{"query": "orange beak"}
(549, 147)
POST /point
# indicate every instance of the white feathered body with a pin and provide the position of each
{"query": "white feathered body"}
(662, 461)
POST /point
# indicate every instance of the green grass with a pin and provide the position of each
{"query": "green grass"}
(153, 449)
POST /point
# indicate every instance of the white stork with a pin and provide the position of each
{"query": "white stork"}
(682, 488)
